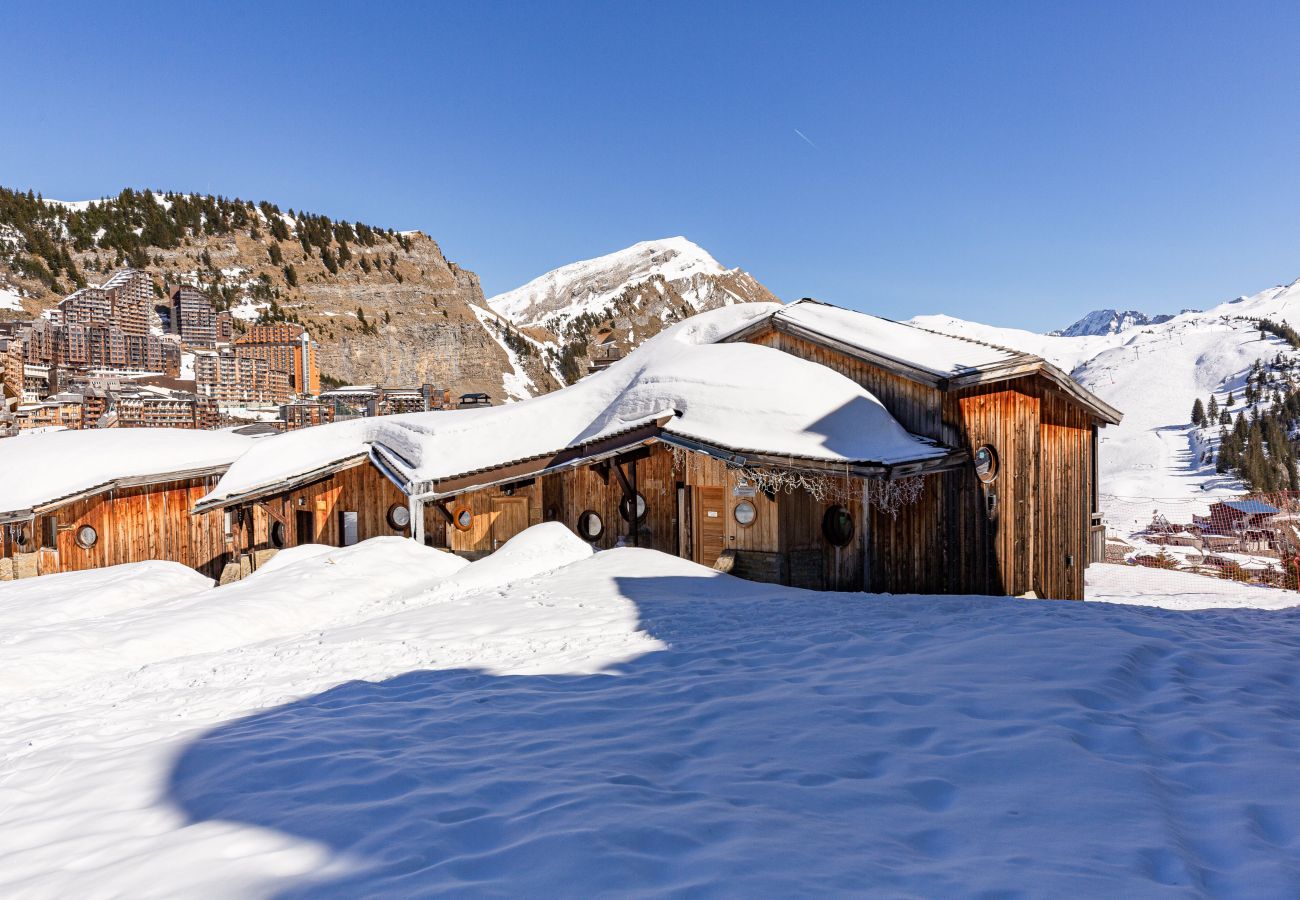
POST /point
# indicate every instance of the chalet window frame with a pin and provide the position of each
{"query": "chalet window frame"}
(584, 532)
(995, 463)
(752, 516)
(398, 511)
(86, 536)
(834, 537)
(458, 518)
(49, 532)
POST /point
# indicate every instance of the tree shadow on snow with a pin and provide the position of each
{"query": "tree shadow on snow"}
(788, 744)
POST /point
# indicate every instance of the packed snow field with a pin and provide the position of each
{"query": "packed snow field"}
(386, 720)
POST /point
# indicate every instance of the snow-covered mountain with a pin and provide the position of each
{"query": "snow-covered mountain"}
(1154, 372)
(682, 272)
(1109, 321)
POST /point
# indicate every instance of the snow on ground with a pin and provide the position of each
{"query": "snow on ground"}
(1144, 586)
(10, 299)
(631, 723)
(516, 383)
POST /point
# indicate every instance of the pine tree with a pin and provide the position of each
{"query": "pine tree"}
(1198, 413)
(277, 257)
(1231, 399)
(1225, 417)
(1212, 411)
(291, 275)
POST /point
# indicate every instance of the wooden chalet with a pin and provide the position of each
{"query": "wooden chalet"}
(897, 459)
(86, 499)
(1018, 518)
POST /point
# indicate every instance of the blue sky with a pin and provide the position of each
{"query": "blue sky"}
(1016, 163)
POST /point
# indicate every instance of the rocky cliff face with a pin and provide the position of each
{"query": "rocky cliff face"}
(384, 307)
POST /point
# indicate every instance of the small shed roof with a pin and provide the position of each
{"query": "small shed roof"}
(1251, 507)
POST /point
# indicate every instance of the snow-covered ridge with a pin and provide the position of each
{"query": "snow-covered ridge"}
(590, 285)
(1154, 372)
(1110, 321)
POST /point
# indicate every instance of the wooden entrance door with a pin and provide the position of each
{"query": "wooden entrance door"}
(509, 517)
(710, 523)
(304, 526)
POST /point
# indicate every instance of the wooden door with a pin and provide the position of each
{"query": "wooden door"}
(710, 523)
(509, 517)
(305, 526)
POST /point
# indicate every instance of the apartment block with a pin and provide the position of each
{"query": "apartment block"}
(193, 317)
(233, 379)
(285, 346)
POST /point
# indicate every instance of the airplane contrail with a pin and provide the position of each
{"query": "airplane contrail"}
(807, 139)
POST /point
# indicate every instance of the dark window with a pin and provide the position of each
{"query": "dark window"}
(590, 525)
(837, 526)
(49, 533)
(625, 508)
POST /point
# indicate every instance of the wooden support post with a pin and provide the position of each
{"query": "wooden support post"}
(632, 508)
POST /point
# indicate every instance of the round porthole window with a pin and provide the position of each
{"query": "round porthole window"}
(837, 526)
(625, 509)
(20, 536)
(87, 537)
(278, 539)
(463, 518)
(745, 513)
(986, 464)
(590, 525)
(399, 516)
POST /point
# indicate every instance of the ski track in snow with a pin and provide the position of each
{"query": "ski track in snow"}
(387, 721)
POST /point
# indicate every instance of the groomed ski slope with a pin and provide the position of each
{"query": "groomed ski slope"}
(384, 720)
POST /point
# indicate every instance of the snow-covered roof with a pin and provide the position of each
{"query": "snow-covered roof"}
(739, 397)
(41, 469)
(942, 360)
(942, 355)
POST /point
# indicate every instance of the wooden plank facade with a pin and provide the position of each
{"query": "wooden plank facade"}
(131, 524)
(1026, 530)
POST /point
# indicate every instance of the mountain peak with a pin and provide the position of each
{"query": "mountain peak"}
(591, 286)
(1109, 321)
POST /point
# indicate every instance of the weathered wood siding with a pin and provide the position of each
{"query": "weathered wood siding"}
(361, 489)
(1034, 536)
(917, 407)
(137, 524)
